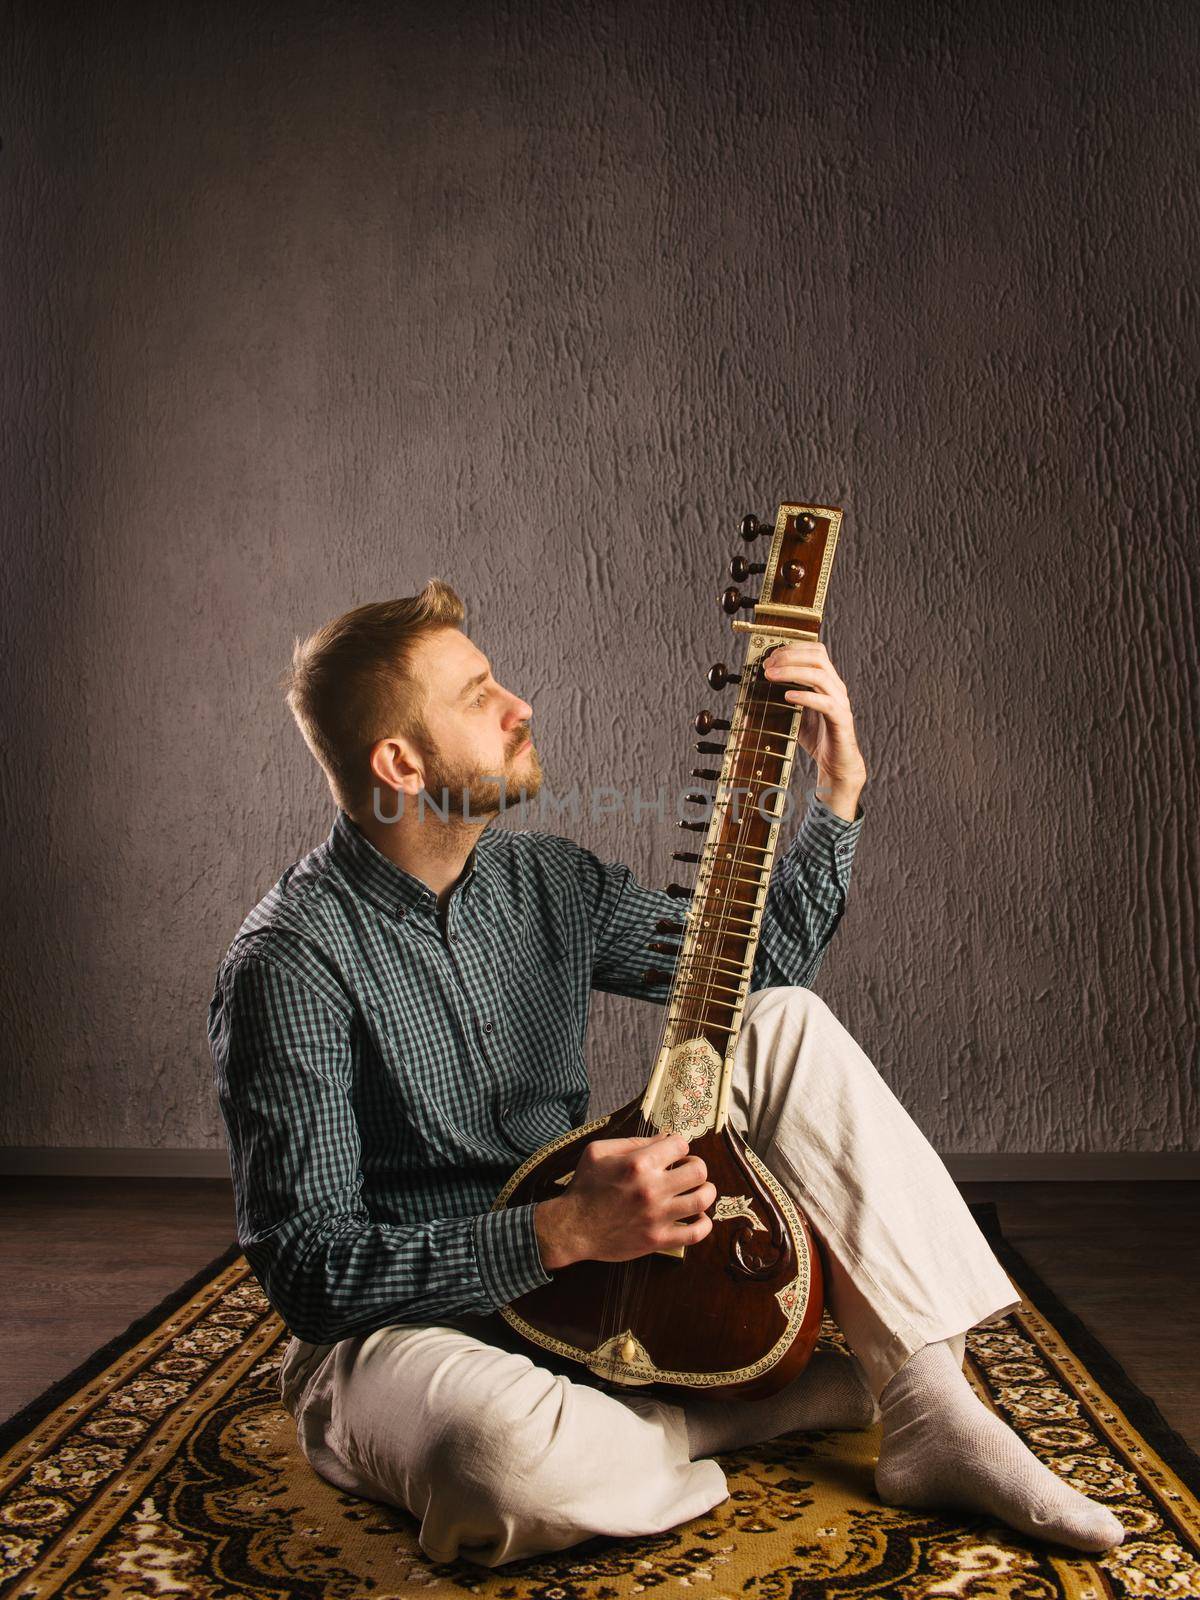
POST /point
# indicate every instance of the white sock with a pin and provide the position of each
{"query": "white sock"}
(943, 1448)
(830, 1394)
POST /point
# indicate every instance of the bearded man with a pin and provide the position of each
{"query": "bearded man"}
(400, 1022)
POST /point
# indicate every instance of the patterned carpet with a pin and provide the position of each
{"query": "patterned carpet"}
(166, 1467)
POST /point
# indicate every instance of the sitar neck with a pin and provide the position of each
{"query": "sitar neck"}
(688, 1089)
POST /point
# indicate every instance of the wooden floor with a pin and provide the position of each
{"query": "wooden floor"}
(81, 1258)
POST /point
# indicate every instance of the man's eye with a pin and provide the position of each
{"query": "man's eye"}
(480, 698)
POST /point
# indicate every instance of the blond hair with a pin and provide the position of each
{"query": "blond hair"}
(350, 684)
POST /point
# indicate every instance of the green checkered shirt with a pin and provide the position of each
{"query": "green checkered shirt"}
(382, 1072)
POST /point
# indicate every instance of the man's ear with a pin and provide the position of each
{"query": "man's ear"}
(396, 765)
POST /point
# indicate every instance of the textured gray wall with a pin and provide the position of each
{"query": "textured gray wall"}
(306, 303)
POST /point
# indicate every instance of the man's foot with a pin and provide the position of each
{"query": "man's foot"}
(830, 1394)
(943, 1448)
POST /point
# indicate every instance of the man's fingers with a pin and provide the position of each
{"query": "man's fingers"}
(662, 1148)
(691, 1205)
(639, 1142)
(806, 653)
(812, 676)
(812, 698)
(619, 1145)
(800, 662)
(686, 1231)
(688, 1174)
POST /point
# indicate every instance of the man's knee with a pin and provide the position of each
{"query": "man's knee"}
(790, 1033)
(783, 999)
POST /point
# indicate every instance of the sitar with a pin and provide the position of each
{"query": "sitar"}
(737, 1314)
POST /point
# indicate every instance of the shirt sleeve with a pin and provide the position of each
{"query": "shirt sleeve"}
(282, 1060)
(805, 901)
(806, 898)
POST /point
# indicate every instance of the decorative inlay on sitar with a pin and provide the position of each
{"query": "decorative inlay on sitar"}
(735, 1205)
(738, 1313)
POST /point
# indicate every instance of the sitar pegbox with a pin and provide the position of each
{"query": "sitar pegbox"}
(795, 574)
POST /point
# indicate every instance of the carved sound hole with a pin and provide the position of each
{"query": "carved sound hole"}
(757, 1252)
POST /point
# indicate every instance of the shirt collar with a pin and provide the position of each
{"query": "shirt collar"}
(384, 883)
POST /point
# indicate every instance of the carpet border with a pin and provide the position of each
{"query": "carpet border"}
(35, 1411)
(1141, 1410)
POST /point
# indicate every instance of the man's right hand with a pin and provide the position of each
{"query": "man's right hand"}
(626, 1198)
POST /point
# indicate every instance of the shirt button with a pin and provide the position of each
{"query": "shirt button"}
(487, 1027)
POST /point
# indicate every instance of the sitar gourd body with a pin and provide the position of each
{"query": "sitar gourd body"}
(738, 1313)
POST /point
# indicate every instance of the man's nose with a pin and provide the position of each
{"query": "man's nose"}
(520, 710)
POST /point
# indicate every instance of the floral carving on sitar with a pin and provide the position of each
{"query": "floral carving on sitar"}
(737, 1205)
(687, 1101)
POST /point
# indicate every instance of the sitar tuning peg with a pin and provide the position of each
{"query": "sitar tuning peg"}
(719, 675)
(750, 527)
(678, 892)
(706, 722)
(732, 601)
(740, 569)
(653, 976)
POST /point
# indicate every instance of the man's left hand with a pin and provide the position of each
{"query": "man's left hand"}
(827, 724)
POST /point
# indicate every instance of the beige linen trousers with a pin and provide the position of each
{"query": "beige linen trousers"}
(500, 1457)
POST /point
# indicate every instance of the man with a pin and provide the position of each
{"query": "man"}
(400, 1022)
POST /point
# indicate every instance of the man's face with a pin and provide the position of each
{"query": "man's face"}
(477, 733)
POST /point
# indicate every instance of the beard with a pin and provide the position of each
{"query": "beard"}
(471, 792)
